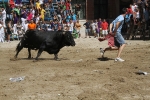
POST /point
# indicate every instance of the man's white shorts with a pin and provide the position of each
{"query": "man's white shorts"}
(104, 32)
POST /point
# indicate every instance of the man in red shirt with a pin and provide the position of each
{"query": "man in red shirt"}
(67, 6)
(104, 26)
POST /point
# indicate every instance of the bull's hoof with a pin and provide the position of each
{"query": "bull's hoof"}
(29, 57)
(57, 59)
(35, 60)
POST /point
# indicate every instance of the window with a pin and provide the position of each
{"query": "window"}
(100, 9)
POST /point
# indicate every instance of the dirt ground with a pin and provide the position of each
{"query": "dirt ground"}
(81, 73)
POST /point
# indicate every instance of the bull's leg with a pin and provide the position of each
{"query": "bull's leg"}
(29, 52)
(39, 53)
(56, 56)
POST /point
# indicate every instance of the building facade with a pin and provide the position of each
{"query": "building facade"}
(94, 9)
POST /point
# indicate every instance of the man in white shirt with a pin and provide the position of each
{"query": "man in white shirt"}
(2, 33)
(3, 16)
(25, 26)
(70, 26)
(93, 26)
(37, 19)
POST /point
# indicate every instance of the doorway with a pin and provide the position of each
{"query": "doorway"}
(125, 4)
(100, 9)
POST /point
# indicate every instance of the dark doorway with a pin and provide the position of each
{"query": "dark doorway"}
(100, 9)
(125, 4)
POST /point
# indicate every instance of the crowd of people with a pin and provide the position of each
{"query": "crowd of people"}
(98, 28)
(15, 19)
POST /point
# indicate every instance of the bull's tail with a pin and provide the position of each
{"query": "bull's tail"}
(19, 47)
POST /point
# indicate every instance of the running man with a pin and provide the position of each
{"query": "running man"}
(115, 28)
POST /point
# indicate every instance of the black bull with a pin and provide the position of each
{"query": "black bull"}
(49, 41)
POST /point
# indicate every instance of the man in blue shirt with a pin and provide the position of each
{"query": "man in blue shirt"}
(74, 17)
(115, 29)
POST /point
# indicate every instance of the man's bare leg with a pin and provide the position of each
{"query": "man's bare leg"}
(120, 50)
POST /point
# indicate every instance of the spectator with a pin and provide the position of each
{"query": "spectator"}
(9, 12)
(49, 27)
(70, 26)
(67, 7)
(68, 17)
(96, 29)
(87, 29)
(55, 18)
(38, 6)
(17, 11)
(44, 26)
(29, 15)
(104, 28)
(74, 17)
(2, 34)
(19, 30)
(9, 30)
(42, 13)
(93, 27)
(31, 25)
(15, 21)
(60, 26)
(23, 16)
(39, 25)
(18, 2)
(52, 10)
(55, 25)
(37, 18)
(77, 27)
(3, 17)
(99, 26)
(11, 3)
(25, 27)
(77, 10)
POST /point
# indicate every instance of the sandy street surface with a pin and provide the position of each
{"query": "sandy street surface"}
(81, 73)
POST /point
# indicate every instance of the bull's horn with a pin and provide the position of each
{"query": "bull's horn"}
(64, 32)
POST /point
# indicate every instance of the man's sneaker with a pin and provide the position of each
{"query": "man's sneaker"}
(102, 52)
(119, 59)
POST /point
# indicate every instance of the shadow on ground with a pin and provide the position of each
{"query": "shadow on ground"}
(105, 59)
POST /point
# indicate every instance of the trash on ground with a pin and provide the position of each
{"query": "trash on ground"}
(95, 70)
(17, 79)
(141, 72)
(76, 60)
